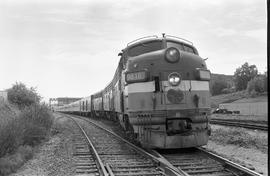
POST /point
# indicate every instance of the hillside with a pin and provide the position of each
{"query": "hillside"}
(226, 78)
(227, 98)
(240, 96)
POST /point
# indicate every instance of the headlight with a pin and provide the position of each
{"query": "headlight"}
(172, 55)
(136, 77)
(174, 79)
(203, 74)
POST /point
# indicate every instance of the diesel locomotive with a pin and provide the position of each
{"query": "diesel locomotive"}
(159, 92)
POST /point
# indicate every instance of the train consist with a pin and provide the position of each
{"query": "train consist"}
(159, 92)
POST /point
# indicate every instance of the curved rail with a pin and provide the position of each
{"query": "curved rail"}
(139, 163)
(185, 162)
(229, 164)
(238, 123)
(102, 168)
(198, 161)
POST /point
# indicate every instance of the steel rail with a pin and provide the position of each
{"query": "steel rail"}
(168, 168)
(239, 124)
(230, 164)
(104, 172)
(198, 162)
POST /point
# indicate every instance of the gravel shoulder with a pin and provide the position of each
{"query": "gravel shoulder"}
(249, 149)
(245, 147)
(55, 156)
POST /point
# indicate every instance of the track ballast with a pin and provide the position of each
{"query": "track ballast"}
(240, 123)
(121, 159)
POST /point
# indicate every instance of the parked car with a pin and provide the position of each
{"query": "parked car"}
(222, 111)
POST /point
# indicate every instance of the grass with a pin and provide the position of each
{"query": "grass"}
(20, 133)
(11, 163)
(227, 98)
(7, 113)
(251, 118)
(239, 137)
(240, 96)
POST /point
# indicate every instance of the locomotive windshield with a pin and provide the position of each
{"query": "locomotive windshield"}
(181, 47)
(143, 48)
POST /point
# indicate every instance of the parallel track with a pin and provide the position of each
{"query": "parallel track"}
(238, 123)
(198, 161)
(121, 158)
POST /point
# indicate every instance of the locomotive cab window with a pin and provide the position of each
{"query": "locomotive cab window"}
(181, 47)
(189, 49)
(143, 48)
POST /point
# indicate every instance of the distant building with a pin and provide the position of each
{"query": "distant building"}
(3, 95)
(62, 101)
(66, 100)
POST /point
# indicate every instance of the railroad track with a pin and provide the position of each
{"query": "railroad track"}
(121, 158)
(198, 161)
(238, 123)
(114, 155)
(87, 160)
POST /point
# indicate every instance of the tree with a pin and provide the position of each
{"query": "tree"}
(218, 86)
(243, 75)
(22, 96)
(257, 84)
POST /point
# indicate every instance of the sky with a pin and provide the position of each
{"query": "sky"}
(69, 48)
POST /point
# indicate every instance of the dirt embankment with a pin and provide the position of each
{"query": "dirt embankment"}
(54, 157)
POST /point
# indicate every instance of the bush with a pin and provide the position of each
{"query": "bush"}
(30, 128)
(22, 96)
(218, 86)
(243, 75)
(10, 163)
(37, 122)
(256, 85)
(27, 129)
(9, 138)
